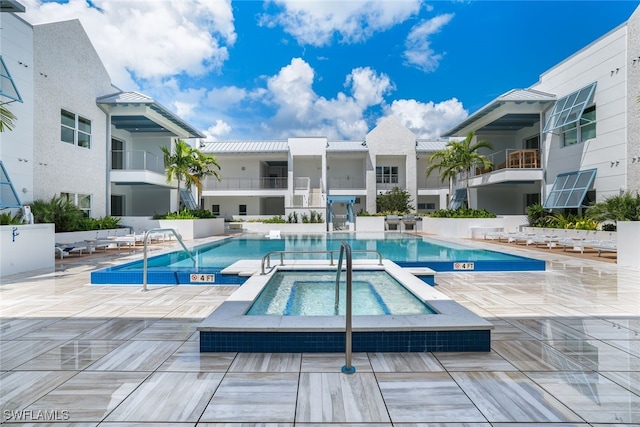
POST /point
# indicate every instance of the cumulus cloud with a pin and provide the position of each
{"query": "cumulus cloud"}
(317, 22)
(217, 130)
(427, 120)
(301, 111)
(418, 52)
(148, 39)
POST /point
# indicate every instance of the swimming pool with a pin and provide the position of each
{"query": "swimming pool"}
(404, 249)
(313, 293)
(451, 328)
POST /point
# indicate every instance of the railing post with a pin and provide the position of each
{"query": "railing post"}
(348, 368)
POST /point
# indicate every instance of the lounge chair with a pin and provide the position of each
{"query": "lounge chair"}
(605, 246)
(68, 248)
(549, 240)
(273, 234)
(409, 222)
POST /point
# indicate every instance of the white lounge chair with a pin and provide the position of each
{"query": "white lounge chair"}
(273, 234)
(68, 248)
(605, 246)
(549, 241)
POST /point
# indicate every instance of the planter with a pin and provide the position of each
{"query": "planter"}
(467, 228)
(189, 229)
(370, 223)
(26, 247)
(628, 247)
(260, 227)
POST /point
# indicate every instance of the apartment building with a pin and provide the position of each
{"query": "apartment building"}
(571, 138)
(77, 135)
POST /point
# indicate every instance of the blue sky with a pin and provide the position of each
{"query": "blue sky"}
(276, 69)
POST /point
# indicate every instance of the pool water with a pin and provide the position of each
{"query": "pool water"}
(305, 293)
(404, 249)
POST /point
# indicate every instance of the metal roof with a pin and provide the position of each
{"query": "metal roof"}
(346, 146)
(430, 146)
(142, 123)
(508, 121)
(230, 147)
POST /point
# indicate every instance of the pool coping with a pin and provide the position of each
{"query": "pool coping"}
(451, 316)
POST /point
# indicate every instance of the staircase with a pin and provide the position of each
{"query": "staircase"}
(316, 198)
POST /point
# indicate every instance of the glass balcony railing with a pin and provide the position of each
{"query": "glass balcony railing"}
(137, 160)
(346, 182)
(261, 183)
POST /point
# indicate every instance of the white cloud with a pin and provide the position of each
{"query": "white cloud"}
(428, 120)
(301, 111)
(418, 51)
(316, 22)
(146, 39)
(217, 130)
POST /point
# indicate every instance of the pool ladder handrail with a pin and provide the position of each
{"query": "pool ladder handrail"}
(345, 248)
(267, 258)
(146, 239)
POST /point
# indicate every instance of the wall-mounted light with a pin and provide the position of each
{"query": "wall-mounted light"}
(242, 168)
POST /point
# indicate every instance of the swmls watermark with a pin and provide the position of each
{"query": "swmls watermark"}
(36, 415)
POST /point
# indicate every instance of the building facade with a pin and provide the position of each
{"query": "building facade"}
(570, 139)
(76, 135)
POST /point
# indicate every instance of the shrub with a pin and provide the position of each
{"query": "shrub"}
(292, 218)
(463, 213)
(395, 200)
(305, 218)
(62, 212)
(537, 215)
(625, 207)
(275, 220)
(7, 219)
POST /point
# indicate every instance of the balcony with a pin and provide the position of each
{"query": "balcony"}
(511, 159)
(260, 183)
(346, 183)
(509, 166)
(137, 160)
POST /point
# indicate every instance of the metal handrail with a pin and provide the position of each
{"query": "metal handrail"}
(345, 248)
(267, 258)
(146, 238)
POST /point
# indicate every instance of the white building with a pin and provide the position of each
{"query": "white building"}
(314, 173)
(77, 135)
(571, 138)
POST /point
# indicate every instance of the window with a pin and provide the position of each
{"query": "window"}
(386, 174)
(186, 198)
(82, 201)
(75, 129)
(215, 209)
(426, 206)
(8, 196)
(570, 109)
(459, 199)
(570, 189)
(581, 130)
(242, 209)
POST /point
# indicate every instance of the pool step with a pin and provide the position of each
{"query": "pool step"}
(425, 274)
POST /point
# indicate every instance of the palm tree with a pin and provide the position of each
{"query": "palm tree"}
(461, 157)
(7, 119)
(188, 164)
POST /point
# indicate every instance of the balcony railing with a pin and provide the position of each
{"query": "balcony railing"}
(137, 160)
(261, 183)
(346, 182)
(513, 158)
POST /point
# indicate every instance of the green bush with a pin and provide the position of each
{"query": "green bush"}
(275, 220)
(625, 207)
(186, 214)
(62, 212)
(396, 200)
(537, 215)
(462, 213)
(7, 219)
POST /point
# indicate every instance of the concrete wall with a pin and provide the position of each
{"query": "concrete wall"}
(72, 78)
(465, 228)
(632, 68)
(189, 229)
(16, 149)
(628, 249)
(31, 249)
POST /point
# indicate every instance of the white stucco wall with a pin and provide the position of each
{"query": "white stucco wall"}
(75, 77)
(391, 138)
(16, 148)
(603, 61)
(633, 106)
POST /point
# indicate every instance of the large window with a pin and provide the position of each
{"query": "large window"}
(569, 189)
(8, 196)
(581, 130)
(75, 129)
(386, 174)
(7, 86)
(82, 201)
(570, 109)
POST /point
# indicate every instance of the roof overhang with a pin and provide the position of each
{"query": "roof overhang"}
(135, 113)
(11, 6)
(512, 111)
